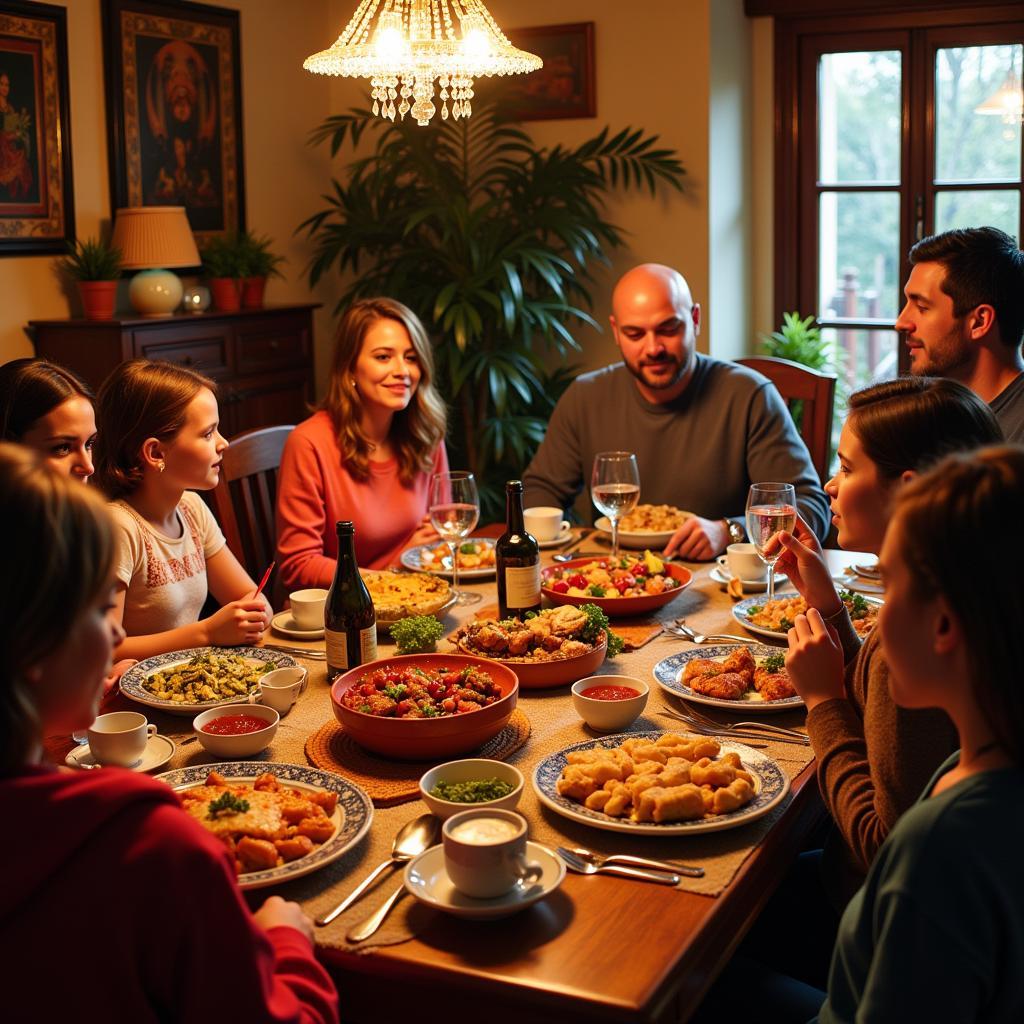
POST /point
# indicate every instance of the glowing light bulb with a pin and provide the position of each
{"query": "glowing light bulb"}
(476, 42)
(388, 41)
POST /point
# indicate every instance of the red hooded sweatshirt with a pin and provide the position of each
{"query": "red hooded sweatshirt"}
(116, 906)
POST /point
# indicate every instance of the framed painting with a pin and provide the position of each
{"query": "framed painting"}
(564, 87)
(174, 110)
(37, 213)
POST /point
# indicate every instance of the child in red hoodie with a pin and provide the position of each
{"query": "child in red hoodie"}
(116, 904)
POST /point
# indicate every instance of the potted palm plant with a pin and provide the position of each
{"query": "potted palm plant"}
(222, 264)
(257, 263)
(95, 267)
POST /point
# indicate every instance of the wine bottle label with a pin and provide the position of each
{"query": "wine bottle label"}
(522, 585)
(338, 648)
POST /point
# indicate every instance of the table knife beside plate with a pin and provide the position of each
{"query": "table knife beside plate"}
(299, 652)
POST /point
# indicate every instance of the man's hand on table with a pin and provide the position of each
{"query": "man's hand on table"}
(698, 540)
(815, 659)
(279, 913)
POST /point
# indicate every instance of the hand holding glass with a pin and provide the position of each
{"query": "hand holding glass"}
(454, 512)
(771, 508)
(615, 488)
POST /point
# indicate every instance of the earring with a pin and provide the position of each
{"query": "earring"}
(161, 466)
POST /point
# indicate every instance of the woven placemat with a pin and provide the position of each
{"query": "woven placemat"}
(389, 782)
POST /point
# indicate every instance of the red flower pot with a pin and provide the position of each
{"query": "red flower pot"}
(226, 293)
(252, 292)
(97, 299)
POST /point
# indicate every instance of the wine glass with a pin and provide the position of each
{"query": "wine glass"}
(615, 488)
(771, 508)
(454, 511)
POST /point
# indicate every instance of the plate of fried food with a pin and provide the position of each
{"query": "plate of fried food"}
(187, 682)
(278, 821)
(553, 648)
(647, 526)
(475, 557)
(775, 618)
(728, 675)
(398, 595)
(660, 783)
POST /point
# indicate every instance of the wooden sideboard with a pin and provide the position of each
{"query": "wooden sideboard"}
(261, 359)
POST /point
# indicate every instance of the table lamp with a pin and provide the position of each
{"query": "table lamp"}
(153, 239)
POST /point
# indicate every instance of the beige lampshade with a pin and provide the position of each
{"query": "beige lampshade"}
(154, 236)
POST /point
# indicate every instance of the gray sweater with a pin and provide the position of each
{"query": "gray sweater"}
(1008, 409)
(700, 452)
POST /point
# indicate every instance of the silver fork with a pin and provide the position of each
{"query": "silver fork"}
(584, 867)
(708, 728)
(680, 628)
(601, 859)
(749, 738)
(767, 726)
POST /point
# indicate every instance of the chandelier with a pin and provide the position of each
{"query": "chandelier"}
(402, 46)
(1007, 102)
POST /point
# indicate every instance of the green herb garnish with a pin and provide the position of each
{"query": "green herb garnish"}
(228, 802)
(473, 792)
(595, 591)
(855, 602)
(785, 624)
(469, 548)
(774, 663)
(417, 634)
(396, 692)
(597, 623)
(755, 609)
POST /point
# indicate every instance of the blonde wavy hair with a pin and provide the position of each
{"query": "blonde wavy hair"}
(59, 562)
(418, 429)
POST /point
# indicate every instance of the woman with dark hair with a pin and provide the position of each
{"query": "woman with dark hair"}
(368, 453)
(48, 408)
(159, 443)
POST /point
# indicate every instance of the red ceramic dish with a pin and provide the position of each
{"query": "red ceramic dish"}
(420, 739)
(541, 675)
(616, 607)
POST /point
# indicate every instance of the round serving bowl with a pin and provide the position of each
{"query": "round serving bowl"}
(540, 675)
(614, 607)
(244, 745)
(421, 739)
(609, 715)
(468, 770)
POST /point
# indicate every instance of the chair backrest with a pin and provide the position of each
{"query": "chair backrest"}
(246, 495)
(816, 391)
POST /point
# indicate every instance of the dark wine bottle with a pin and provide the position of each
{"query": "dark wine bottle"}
(350, 624)
(518, 559)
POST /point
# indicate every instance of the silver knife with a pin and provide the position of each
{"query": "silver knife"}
(299, 652)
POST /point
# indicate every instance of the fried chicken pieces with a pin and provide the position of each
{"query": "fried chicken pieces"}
(732, 678)
(671, 779)
(549, 636)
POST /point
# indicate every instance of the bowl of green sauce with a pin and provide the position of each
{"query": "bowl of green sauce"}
(470, 783)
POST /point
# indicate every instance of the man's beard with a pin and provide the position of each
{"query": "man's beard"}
(948, 358)
(659, 383)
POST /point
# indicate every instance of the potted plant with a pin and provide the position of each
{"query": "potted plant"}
(223, 266)
(95, 267)
(257, 263)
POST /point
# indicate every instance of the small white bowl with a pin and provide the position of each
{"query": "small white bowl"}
(609, 715)
(244, 745)
(467, 770)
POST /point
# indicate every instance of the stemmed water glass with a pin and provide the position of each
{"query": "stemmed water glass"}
(615, 488)
(454, 512)
(771, 508)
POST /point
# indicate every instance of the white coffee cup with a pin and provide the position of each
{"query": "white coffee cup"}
(308, 608)
(119, 737)
(485, 852)
(280, 689)
(743, 562)
(545, 522)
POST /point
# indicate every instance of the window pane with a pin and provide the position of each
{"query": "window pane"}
(859, 117)
(858, 253)
(1000, 209)
(972, 146)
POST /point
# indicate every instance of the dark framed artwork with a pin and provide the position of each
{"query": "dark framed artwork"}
(564, 87)
(174, 110)
(37, 206)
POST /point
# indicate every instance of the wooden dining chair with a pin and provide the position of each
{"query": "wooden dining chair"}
(246, 495)
(817, 392)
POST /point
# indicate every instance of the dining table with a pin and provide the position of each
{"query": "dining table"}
(598, 948)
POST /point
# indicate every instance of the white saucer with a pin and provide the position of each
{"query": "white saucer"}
(159, 750)
(560, 539)
(720, 574)
(427, 879)
(284, 624)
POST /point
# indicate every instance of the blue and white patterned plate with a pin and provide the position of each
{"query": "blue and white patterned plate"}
(132, 680)
(771, 784)
(668, 673)
(412, 558)
(741, 613)
(352, 816)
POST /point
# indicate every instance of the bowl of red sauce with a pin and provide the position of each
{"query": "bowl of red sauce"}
(236, 730)
(609, 703)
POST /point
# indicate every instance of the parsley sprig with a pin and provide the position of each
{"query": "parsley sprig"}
(228, 803)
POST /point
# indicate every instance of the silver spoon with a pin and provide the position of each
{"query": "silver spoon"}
(412, 839)
(366, 928)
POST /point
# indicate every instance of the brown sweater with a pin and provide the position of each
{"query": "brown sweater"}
(874, 759)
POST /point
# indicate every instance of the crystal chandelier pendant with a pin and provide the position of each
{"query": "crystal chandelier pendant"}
(404, 46)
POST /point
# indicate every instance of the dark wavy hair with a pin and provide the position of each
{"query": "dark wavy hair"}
(139, 400)
(984, 266)
(60, 562)
(948, 520)
(911, 422)
(29, 389)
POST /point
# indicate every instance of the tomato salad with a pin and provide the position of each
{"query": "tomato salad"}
(414, 693)
(626, 577)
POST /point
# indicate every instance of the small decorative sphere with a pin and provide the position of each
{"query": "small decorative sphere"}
(196, 299)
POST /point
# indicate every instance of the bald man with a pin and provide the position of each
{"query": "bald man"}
(703, 430)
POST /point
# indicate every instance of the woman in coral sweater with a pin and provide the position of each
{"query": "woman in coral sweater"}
(369, 451)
